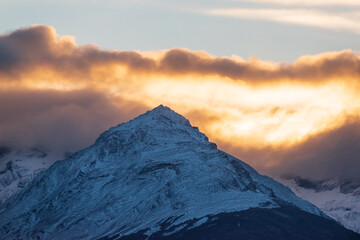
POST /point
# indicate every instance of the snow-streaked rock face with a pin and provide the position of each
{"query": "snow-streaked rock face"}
(19, 167)
(154, 169)
(339, 200)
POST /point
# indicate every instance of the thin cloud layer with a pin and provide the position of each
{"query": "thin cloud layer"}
(61, 95)
(347, 21)
(347, 3)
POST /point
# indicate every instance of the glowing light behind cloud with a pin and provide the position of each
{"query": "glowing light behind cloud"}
(276, 115)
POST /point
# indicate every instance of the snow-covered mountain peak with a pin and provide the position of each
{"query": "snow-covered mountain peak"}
(158, 126)
(161, 115)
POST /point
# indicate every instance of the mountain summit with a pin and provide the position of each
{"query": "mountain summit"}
(158, 177)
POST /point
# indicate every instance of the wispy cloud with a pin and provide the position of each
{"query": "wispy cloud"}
(348, 21)
(310, 2)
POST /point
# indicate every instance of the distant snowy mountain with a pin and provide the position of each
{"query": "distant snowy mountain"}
(19, 167)
(158, 177)
(338, 199)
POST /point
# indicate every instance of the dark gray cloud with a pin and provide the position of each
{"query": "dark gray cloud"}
(343, 63)
(39, 47)
(58, 120)
(335, 153)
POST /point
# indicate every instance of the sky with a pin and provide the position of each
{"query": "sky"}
(275, 30)
(274, 83)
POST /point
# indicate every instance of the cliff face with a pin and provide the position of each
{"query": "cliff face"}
(336, 198)
(18, 168)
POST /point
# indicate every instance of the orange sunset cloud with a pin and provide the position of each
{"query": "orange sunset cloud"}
(268, 114)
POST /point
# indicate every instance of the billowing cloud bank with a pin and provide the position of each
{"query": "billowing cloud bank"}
(39, 48)
(299, 118)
